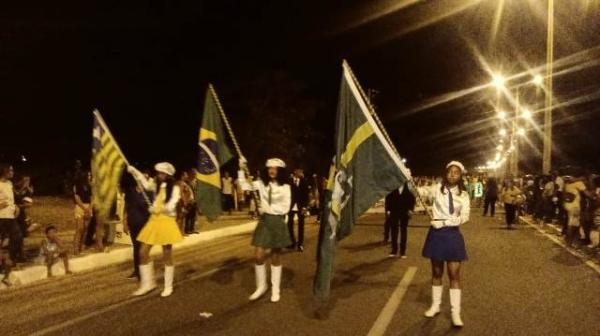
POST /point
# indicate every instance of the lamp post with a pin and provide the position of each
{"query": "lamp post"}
(547, 153)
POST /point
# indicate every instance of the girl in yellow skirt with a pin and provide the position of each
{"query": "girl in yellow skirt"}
(161, 228)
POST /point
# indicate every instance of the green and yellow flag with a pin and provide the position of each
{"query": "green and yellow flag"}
(213, 154)
(107, 166)
(366, 168)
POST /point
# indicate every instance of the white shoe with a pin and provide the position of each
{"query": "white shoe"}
(261, 282)
(147, 282)
(436, 301)
(275, 283)
(455, 298)
(169, 275)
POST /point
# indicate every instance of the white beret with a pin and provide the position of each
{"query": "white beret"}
(165, 167)
(457, 164)
(275, 162)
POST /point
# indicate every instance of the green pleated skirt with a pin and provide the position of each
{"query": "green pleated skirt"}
(271, 232)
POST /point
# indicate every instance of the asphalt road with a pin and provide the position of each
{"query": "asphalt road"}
(516, 283)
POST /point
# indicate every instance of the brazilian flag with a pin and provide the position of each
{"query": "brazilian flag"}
(213, 154)
(365, 169)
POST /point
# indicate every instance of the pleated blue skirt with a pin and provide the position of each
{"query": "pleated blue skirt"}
(445, 244)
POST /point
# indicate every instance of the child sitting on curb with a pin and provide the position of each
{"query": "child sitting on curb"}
(52, 249)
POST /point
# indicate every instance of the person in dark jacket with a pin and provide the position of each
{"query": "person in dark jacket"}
(491, 197)
(135, 217)
(399, 203)
(300, 192)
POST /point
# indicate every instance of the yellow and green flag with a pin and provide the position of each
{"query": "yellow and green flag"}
(213, 153)
(107, 166)
(366, 168)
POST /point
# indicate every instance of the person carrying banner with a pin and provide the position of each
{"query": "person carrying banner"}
(445, 244)
(271, 234)
(161, 228)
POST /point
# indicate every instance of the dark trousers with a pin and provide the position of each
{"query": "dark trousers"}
(511, 213)
(90, 232)
(190, 219)
(387, 227)
(300, 214)
(398, 224)
(228, 202)
(134, 231)
(10, 228)
(489, 203)
(587, 222)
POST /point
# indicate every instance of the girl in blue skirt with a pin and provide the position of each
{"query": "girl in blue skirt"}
(445, 243)
(271, 234)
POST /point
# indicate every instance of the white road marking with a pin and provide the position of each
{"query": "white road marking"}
(559, 242)
(385, 317)
(126, 302)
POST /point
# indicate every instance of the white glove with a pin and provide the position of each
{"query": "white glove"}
(132, 170)
(437, 224)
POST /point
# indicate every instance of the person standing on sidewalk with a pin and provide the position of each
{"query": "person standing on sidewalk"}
(135, 217)
(82, 196)
(9, 213)
(271, 234)
(192, 208)
(227, 182)
(575, 188)
(491, 197)
(445, 243)
(399, 203)
(300, 192)
(509, 197)
(161, 229)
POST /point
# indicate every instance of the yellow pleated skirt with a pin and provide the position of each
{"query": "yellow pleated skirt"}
(160, 230)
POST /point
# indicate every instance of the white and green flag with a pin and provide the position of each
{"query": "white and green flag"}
(366, 168)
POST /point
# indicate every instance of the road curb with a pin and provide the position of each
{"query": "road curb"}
(117, 256)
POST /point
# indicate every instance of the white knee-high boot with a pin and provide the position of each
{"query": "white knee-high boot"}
(275, 283)
(169, 275)
(455, 298)
(261, 282)
(147, 281)
(436, 301)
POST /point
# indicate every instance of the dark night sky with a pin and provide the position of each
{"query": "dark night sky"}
(146, 67)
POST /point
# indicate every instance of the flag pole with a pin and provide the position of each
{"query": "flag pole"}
(105, 127)
(238, 150)
(383, 130)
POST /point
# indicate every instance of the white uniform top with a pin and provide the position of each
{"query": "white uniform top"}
(281, 197)
(7, 195)
(149, 184)
(441, 207)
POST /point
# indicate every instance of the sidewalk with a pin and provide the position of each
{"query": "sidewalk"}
(553, 232)
(121, 252)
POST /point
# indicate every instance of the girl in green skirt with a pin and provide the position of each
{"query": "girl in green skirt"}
(271, 234)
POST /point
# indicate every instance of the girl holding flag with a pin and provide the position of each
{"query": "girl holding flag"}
(161, 228)
(271, 234)
(445, 244)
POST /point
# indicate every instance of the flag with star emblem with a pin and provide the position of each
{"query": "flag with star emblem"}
(107, 166)
(213, 153)
(366, 168)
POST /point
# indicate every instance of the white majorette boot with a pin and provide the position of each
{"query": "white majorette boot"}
(275, 283)
(261, 282)
(455, 295)
(147, 281)
(436, 301)
(169, 274)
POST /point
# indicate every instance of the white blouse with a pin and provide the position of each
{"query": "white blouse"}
(281, 197)
(441, 207)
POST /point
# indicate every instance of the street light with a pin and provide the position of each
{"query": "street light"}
(502, 115)
(500, 147)
(498, 81)
(526, 113)
(538, 80)
(503, 132)
(521, 132)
